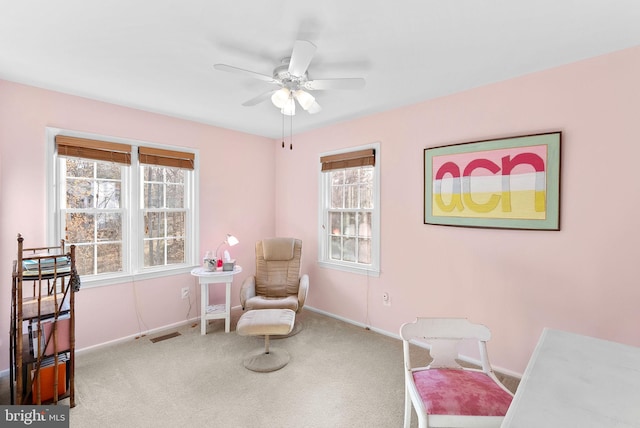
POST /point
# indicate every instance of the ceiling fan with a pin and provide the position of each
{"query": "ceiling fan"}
(293, 80)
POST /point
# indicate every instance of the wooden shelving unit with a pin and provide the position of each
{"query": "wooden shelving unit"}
(44, 283)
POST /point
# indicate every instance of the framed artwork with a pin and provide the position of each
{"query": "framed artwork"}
(507, 183)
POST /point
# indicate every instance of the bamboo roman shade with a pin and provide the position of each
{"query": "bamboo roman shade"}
(170, 158)
(93, 149)
(365, 157)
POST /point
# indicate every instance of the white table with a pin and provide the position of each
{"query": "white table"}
(577, 381)
(219, 311)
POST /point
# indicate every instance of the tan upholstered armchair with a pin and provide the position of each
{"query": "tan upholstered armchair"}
(277, 283)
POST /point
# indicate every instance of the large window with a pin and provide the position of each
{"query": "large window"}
(349, 218)
(128, 208)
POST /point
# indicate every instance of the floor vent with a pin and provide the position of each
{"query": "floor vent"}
(165, 337)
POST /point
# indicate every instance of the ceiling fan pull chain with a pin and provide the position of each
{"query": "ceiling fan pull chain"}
(291, 134)
(282, 130)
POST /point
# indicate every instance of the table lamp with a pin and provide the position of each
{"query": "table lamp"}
(230, 240)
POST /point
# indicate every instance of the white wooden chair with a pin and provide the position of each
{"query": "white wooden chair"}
(445, 394)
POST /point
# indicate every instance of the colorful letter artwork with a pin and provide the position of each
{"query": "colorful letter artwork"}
(506, 183)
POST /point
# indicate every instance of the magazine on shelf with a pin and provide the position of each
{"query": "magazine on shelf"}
(46, 263)
(59, 270)
(63, 329)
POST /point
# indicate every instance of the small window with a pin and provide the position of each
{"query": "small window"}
(349, 218)
(92, 213)
(165, 215)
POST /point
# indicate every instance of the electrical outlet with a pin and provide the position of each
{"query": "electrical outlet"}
(386, 299)
(185, 292)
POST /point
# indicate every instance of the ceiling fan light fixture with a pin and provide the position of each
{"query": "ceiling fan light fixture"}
(280, 97)
(289, 108)
(292, 80)
(305, 99)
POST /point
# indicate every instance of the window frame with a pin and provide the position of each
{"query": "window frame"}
(133, 259)
(94, 211)
(145, 210)
(324, 194)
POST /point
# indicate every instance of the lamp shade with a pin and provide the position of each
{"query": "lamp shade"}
(305, 99)
(230, 240)
(289, 108)
(280, 97)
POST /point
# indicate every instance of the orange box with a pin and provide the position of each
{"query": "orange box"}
(46, 382)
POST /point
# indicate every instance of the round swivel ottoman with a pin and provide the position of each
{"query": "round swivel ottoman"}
(266, 322)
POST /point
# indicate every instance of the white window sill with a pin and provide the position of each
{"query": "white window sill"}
(105, 280)
(361, 270)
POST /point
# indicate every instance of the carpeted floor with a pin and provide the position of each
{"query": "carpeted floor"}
(339, 376)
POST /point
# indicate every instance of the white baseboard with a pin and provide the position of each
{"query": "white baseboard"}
(5, 373)
(139, 334)
(147, 332)
(350, 321)
(397, 336)
(507, 372)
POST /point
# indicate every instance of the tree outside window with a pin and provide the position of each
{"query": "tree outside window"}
(164, 215)
(126, 214)
(92, 212)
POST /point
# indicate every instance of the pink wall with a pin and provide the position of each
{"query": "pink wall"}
(580, 279)
(230, 162)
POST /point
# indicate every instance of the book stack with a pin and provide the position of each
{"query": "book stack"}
(45, 265)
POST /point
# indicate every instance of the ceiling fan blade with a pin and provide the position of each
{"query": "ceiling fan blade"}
(346, 83)
(260, 98)
(236, 70)
(315, 108)
(301, 57)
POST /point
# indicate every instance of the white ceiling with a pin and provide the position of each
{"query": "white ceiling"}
(158, 55)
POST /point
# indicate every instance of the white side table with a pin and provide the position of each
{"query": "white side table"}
(220, 311)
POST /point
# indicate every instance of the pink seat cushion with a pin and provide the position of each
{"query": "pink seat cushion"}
(461, 392)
